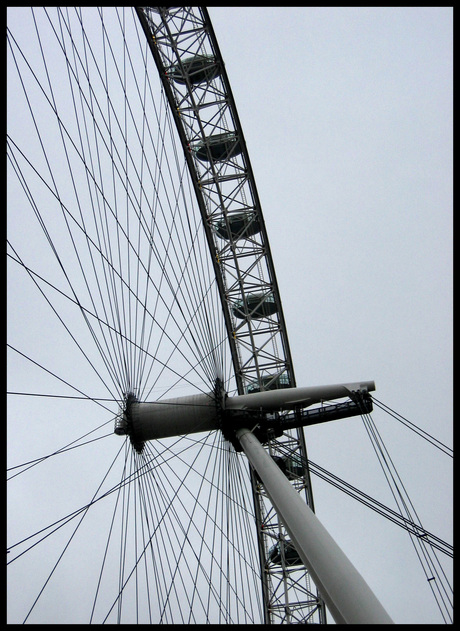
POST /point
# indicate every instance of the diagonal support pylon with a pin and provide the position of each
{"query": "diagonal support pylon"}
(347, 595)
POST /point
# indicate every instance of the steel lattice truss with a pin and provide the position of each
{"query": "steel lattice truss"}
(186, 53)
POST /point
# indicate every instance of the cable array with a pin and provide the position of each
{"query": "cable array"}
(110, 250)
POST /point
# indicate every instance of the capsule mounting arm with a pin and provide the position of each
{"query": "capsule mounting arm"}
(215, 410)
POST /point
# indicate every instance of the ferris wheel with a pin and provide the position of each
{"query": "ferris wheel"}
(147, 342)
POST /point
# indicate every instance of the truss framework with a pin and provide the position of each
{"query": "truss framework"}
(218, 161)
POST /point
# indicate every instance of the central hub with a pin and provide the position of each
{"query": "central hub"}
(266, 414)
(166, 418)
(124, 421)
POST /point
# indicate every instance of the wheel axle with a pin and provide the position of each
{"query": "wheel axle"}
(259, 411)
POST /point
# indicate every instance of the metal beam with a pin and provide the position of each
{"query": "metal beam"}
(348, 597)
(290, 398)
(205, 412)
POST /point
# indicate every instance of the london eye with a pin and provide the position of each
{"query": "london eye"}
(146, 335)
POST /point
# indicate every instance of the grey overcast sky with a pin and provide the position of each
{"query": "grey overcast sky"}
(347, 113)
(348, 118)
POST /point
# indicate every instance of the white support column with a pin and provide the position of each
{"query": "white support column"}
(289, 398)
(199, 413)
(174, 417)
(347, 595)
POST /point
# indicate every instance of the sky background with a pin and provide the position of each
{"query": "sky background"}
(347, 116)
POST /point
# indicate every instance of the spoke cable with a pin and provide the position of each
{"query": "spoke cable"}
(77, 222)
(427, 556)
(428, 437)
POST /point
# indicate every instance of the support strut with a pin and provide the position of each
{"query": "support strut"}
(347, 595)
(264, 412)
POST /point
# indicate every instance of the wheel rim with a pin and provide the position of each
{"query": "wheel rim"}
(110, 297)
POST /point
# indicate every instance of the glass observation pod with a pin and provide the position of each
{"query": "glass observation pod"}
(291, 556)
(220, 146)
(269, 383)
(291, 466)
(238, 226)
(197, 69)
(257, 306)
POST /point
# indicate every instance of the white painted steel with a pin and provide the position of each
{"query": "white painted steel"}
(198, 413)
(173, 417)
(347, 595)
(288, 398)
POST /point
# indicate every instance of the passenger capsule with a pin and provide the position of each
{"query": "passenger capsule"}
(291, 556)
(221, 147)
(269, 383)
(291, 466)
(197, 69)
(257, 306)
(238, 226)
